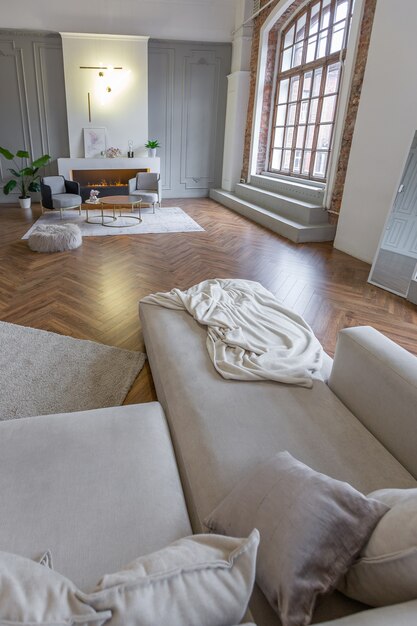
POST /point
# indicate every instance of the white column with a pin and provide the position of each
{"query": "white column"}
(237, 97)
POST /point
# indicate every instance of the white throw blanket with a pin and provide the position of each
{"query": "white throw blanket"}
(250, 335)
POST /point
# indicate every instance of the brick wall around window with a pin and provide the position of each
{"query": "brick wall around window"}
(268, 93)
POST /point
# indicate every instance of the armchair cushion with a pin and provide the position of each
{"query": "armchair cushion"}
(147, 181)
(66, 200)
(56, 184)
(147, 196)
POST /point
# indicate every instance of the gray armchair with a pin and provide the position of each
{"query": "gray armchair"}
(60, 194)
(147, 185)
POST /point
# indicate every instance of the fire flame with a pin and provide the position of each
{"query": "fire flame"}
(104, 183)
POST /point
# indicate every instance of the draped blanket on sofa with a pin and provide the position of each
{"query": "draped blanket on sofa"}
(250, 335)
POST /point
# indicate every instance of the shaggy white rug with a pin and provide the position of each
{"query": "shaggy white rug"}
(43, 373)
(164, 220)
(55, 238)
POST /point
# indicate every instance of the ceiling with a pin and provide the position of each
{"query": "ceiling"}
(193, 20)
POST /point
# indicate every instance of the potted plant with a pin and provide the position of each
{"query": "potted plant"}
(152, 145)
(25, 177)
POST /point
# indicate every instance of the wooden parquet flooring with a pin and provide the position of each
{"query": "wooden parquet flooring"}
(93, 292)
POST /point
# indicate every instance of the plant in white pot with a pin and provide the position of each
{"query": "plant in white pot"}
(26, 177)
(152, 145)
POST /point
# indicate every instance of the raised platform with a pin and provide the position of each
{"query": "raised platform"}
(291, 209)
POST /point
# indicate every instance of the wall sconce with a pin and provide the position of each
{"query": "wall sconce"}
(105, 72)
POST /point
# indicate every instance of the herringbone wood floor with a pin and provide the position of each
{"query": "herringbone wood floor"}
(93, 292)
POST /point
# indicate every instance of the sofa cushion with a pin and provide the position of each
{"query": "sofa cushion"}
(203, 579)
(311, 528)
(404, 614)
(32, 594)
(222, 428)
(386, 572)
(95, 487)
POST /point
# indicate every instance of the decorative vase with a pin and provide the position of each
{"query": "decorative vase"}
(25, 202)
(152, 152)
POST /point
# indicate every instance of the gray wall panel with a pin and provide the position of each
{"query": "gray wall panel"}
(32, 105)
(187, 104)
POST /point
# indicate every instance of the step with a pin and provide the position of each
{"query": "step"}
(299, 233)
(309, 191)
(291, 208)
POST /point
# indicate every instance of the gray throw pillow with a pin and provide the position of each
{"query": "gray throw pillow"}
(32, 594)
(386, 572)
(311, 527)
(203, 579)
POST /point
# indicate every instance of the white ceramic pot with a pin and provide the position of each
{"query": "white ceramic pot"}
(152, 152)
(25, 202)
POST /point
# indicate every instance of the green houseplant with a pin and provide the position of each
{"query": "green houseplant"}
(152, 145)
(26, 177)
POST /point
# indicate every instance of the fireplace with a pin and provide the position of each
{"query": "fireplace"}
(110, 182)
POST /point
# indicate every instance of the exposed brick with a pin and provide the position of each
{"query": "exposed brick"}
(267, 103)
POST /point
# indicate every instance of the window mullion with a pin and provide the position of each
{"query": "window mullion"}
(296, 121)
(317, 122)
(347, 27)
(318, 29)
(306, 124)
(330, 33)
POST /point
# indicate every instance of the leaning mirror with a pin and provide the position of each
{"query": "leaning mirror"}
(395, 264)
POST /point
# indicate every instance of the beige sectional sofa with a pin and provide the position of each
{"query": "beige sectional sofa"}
(361, 427)
(99, 488)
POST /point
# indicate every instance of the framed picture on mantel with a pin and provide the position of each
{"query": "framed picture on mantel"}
(94, 142)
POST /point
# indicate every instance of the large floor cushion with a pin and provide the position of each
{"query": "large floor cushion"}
(98, 488)
(223, 428)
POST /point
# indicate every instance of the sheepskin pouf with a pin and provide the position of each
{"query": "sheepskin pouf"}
(55, 238)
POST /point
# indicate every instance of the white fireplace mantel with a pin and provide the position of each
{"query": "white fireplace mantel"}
(66, 166)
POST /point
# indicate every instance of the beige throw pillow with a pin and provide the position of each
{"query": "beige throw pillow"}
(386, 572)
(32, 594)
(203, 579)
(311, 527)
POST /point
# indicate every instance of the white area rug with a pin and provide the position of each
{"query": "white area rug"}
(164, 220)
(43, 373)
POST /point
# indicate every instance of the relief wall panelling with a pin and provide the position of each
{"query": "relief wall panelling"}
(187, 105)
(32, 108)
(14, 114)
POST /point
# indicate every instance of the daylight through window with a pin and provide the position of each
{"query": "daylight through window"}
(312, 47)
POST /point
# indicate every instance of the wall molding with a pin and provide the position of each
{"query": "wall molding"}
(199, 58)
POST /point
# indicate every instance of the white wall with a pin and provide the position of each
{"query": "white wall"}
(195, 20)
(124, 111)
(237, 97)
(387, 119)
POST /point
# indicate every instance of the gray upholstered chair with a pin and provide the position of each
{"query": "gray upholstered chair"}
(60, 194)
(147, 185)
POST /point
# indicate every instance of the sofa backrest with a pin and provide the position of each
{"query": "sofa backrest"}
(377, 380)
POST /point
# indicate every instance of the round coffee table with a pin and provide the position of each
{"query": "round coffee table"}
(117, 203)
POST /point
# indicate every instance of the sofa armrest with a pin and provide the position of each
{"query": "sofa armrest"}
(132, 185)
(46, 196)
(404, 614)
(377, 380)
(71, 186)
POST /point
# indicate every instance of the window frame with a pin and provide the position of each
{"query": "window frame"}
(325, 62)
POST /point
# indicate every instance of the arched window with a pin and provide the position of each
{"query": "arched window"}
(312, 47)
